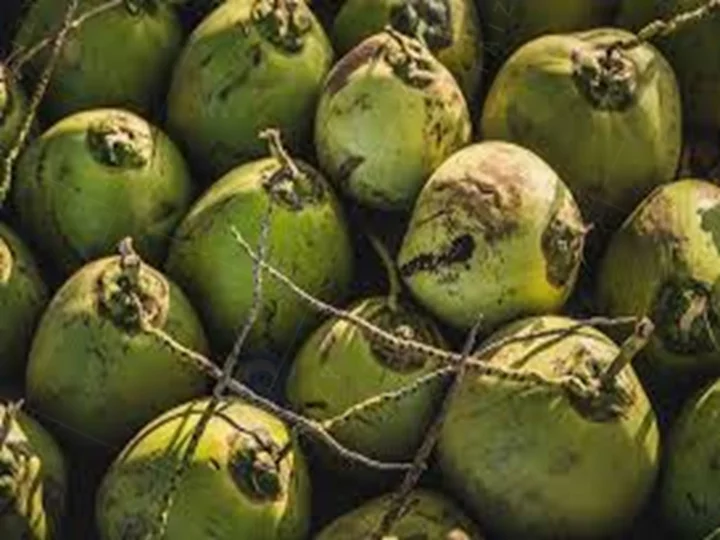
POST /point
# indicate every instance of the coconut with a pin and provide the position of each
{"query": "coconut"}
(608, 121)
(495, 232)
(508, 24)
(693, 52)
(23, 297)
(94, 366)
(33, 478)
(249, 65)
(428, 515)
(307, 239)
(340, 366)
(534, 460)
(13, 108)
(94, 178)
(665, 262)
(450, 28)
(93, 70)
(690, 487)
(246, 478)
(389, 115)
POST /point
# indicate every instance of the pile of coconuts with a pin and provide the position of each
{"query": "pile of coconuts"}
(243, 244)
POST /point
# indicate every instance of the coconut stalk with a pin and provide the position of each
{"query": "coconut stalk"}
(9, 160)
(398, 506)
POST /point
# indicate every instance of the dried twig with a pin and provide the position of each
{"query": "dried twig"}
(303, 425)
(8, 163)
(665, 27)
(221, 384)
(399, 502)
(20, 57)
(401, 345)
(234, 356)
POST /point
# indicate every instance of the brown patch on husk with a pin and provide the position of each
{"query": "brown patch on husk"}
(562, 244)
(685, 317)
(489, 199)
(338, 77)
(254, 466)
(460, 250)
(406, 325)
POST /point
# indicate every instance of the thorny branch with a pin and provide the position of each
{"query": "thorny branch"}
(399, 502)
(8, 163)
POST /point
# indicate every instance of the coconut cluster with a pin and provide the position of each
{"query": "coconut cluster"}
(242, 243)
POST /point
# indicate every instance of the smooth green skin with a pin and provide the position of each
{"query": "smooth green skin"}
(430, 516)
(360, 19)
(40, 483)
(401, 132)
(13, 107)
(610, 160)
(207, 502)
(23, 297)
(336, 366)
(674, 232)
(99, 381)
(522, 458)
(230, 83)
(690, 487)
(508, 24)
(312, 247)
(116, 59)
(693, 52)
(76, 208)
(484, 187)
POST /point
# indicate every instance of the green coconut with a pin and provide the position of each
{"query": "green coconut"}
(693, 52)
(308, 240)
(690, 487)
(665, 263)
(508, 24)
(494, 233)
(13, 108)
(251, 64)
(94, 178)
(33, 478)
(120, 57)
(95, 367)
(340, 366)
(23, 297)
(609, 123)
(246, 478)
(535, 460)
(429, 515)
(450, 28)
(389, 115)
